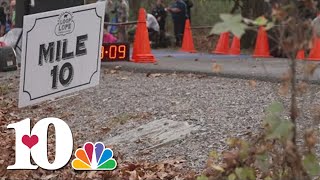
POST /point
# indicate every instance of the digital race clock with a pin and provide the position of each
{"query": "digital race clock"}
(115, 52)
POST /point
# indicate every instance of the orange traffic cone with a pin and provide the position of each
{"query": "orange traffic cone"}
(223, 44)
(187, 43)
(315, 51)
(141, 46)
(300, 55)
(262, 44)
(235, 46)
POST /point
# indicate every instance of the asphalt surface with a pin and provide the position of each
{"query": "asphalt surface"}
(243, 66)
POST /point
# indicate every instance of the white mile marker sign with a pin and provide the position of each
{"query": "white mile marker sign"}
(60, 52)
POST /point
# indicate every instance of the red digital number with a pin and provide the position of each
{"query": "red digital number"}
(113, 52)
(102, 52)
(122, 51)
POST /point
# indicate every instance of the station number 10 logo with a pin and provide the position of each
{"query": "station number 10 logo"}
(34, 144)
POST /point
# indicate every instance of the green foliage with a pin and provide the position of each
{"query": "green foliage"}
(277, 128)
(261, 21)
(311, 164)
(202, 177)
(262, 162)
(232, 177)
(275, 108)
(231, 23)
(245, 173)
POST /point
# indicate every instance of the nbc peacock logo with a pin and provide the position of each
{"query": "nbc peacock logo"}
(94, 157)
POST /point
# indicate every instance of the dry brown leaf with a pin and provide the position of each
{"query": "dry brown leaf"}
(310, 138)
(253, 83)
(230, 157)
(91, 174)
(310, 68)
(284, 89)
(162, 175)
(49, 176)
(216, 68)
(117, 67)
(105, 129)
(302, 87)
(286, 77)
(113, 71)
(154, 75)
(133, 175)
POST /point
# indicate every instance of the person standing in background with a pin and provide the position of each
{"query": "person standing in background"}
(178, 10)
(160, 14)
(13, 12)
(189, 5)
(122, 14)
(2, 21)
(153, 29)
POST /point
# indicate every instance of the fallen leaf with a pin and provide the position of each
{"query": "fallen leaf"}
(154, 75)
(49, 176)
(310, 68)
(218, 168)
(216, 68)
(284, 89)
(286, 77)
(105, 129)
(117, 67)
(162, 175)
(91, 174)
(133, 175)
(113, 71)
(302, 87)
(252, 83)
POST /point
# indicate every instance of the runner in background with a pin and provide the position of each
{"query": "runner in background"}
(178, 11)
(160, 14)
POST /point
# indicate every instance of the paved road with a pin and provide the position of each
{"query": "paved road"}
(243, 66)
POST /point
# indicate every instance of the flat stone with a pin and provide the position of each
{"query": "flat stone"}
(156, 133)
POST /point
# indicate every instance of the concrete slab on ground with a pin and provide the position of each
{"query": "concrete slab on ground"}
(156, 133)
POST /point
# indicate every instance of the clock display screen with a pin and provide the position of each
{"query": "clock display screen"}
(115, 52)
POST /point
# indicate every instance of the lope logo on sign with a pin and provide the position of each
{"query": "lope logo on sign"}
(90, 157)
(65, 24)
(60, 52)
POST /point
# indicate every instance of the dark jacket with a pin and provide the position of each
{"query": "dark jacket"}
(159, 12)
(182, 15)
(2, 17)
(189, 4)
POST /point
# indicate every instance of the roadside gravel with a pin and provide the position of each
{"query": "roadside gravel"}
(125, 100)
